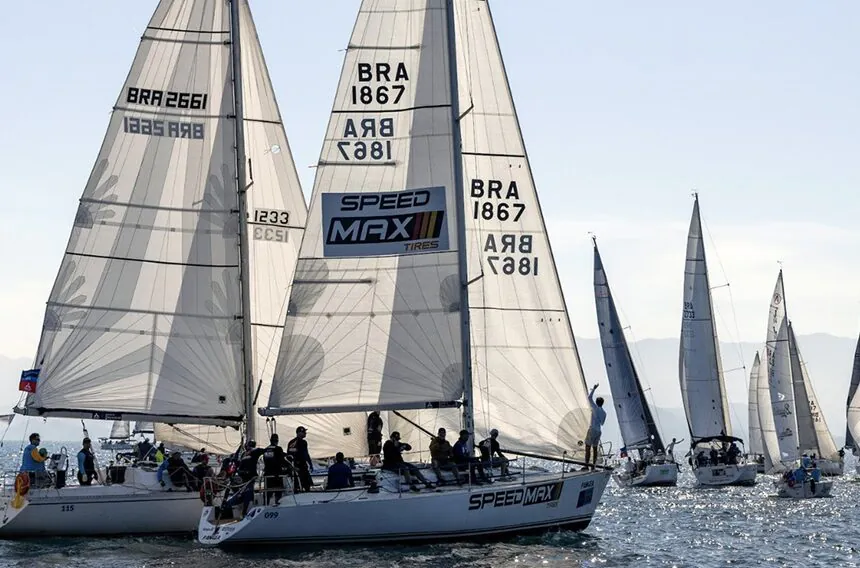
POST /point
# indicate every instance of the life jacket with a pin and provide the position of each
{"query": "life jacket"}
(89, 461)
(28, 463)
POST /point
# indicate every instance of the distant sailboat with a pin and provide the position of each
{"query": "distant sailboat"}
(168, 305)
(119, 438)
(652, 466)
(716, 459)
(756, 442)
(426, 286)
(852, 429)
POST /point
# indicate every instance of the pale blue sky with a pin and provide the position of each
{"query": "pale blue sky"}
(625, 107)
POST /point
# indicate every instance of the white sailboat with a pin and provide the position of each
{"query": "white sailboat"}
(119, 438)
(852, 428)
(813, 437)
(784, 408)
(168, 305)
(756, 442)
(652, 466)
(143, 428)
(426, 283)
(701, 375)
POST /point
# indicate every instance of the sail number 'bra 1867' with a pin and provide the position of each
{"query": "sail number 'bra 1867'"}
(385, 223)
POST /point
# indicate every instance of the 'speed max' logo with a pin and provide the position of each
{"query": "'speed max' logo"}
(384, 223)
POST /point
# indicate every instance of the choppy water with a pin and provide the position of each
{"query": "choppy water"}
(682, 526)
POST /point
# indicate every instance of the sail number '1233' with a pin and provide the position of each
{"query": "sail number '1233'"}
(516, 261)
(689, 312)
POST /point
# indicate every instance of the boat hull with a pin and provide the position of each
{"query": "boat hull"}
(720, 475)
(138, 506)
(655, 475)
(544, 502)
(805, 490)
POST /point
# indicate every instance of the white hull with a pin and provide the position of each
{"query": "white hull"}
(655, 475)
(806, 490)
(545, 501)
(139, 506)
(718, 475)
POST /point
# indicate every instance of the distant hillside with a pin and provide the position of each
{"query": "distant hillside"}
(828, 358)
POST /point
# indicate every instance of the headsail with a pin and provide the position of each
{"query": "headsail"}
(770, 441)
(144, 319)
(374, 318)
(527, 377)
(814, 436)
(120, 430)
(782, 397)
(702, 388)
(755, 445)
(143, 428)
(277, 216)
(638, 429)
(852, 428)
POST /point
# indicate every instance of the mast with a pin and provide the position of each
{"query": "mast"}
(465, 335)
(242, 186)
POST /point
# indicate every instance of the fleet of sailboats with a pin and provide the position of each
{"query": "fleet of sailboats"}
(169, 302)
(202, 299)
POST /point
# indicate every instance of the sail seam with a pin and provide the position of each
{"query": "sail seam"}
(494, 155)
(173, 113)
(144, 260)
(153, 207)
(189, 31)
(137, 311)
(188, 41)
(389, 111)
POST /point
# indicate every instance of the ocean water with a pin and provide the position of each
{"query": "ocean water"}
(682, 526)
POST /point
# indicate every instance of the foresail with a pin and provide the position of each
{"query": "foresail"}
(143, 428)
(852, 427)
(776, 315)
(120, 430)
(526, 373)
(638, 429)
(373, 319)
(770, 441)
(700, 368)
(755, 445)
(813, 434)
(144, 319)
(221, 441)
(782, 397)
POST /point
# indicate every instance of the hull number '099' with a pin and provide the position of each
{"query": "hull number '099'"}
(270, 515)
(166, 128)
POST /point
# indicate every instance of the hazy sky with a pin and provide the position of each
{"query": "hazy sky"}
(624, 106)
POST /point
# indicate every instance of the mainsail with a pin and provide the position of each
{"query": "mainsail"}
(145, 319)
(852, 427)
(700, 368)
(120, 430)
(755, 444)
(638, 429)
(782, 396)
(375, 312)
(814, 436)
(527, 376)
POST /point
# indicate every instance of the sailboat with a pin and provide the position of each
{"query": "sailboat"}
(715, 459)
(652, 466)
(119, 438)
(756, 441)
(167, 307)
(811, 434)
(852, 427)
(426, 289)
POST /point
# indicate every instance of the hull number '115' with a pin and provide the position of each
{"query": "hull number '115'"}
(534, 495)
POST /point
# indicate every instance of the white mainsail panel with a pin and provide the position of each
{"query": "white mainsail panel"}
(814, 436)
(276, 218)
(143, 317)
(527, 378)
(852, 427)
(782, 396)
(755, 445)
(634, 417)
(701, 374)
(373, 317)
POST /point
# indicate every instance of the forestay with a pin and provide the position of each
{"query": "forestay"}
(701, 374)
(852, 428)
(143, 320)
(638, 429)
(373, 319)
(782, 396)
(755, 445)
(813, 434)
(527, 377)
(277, 216)
(120, 430)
